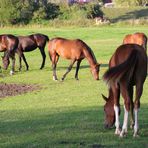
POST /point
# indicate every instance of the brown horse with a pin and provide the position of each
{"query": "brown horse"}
(8, 44)
(136, 38)
(30, 43)
(74, 50)
(127, 67)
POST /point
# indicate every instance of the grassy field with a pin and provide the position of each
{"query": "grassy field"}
(66, 114)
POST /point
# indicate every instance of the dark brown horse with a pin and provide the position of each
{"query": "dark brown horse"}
(30, 43)
(74, 50)
(127, 67)
(136, 38)
(8, 44)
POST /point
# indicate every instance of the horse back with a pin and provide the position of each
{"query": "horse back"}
(128, 64)
(8, 42)
(136, 38)
(123, 54)
(40, 39)
(69, 49)
(26, 43)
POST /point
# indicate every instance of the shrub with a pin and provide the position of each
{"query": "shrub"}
(77, 11)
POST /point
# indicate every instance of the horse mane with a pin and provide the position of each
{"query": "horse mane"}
(89, 51)
(114, 74)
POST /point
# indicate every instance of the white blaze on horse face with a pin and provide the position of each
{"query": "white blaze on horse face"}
(136, 126)
(125, 123)
(117, 123)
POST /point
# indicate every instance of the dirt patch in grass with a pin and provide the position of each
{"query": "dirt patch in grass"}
(16, 89)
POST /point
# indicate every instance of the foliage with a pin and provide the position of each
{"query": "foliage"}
(131, 2)
(76, 11)
(24, 11)
(42, 11)
(8, 11)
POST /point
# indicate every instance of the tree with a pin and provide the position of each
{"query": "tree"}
(9, 11)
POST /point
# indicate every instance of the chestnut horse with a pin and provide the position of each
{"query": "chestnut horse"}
(136, 38)
(8, 44)
(127, 67)
(74, 50)
(30, 43)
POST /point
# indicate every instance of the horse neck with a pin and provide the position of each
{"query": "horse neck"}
(110, 97)
(90, 57)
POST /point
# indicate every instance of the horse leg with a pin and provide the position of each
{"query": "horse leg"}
(68, 69)
(116, 94)
(54, 59)
(43, 56)
(13, 64)
(77, 69)
(125, 94)
(139, 90)
(131, 107)
(24, 59)
(20, 62)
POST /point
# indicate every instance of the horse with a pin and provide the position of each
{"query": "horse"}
(30, 43)
(8, 45)
(75, 50)
(136, 38)
(127, 67)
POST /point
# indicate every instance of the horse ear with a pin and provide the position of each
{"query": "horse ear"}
(99, 64)
(105, 98)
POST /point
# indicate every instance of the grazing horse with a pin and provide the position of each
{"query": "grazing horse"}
(30, 43)
(8, 45)
(127, 67)
(136, 38)
(74, 50)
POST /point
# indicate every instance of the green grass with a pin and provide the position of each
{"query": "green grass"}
(66, 114)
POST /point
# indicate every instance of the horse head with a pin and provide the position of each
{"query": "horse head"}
(109, 111)
(95, 71)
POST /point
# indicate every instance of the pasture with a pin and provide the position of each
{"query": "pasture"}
(70, 113)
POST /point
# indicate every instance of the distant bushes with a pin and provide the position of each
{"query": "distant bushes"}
(76, 11)
(45, 12)
(29, 11)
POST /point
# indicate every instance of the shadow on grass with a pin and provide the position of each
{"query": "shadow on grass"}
(137, 14)
(69, 128)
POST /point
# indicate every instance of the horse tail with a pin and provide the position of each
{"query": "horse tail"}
(114, 74)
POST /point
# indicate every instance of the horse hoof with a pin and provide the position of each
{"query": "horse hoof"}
(132, 126)
(62, 79)
(11, 72)
(122, 135)
(117, 132)
(136, 136)
(55, 79)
